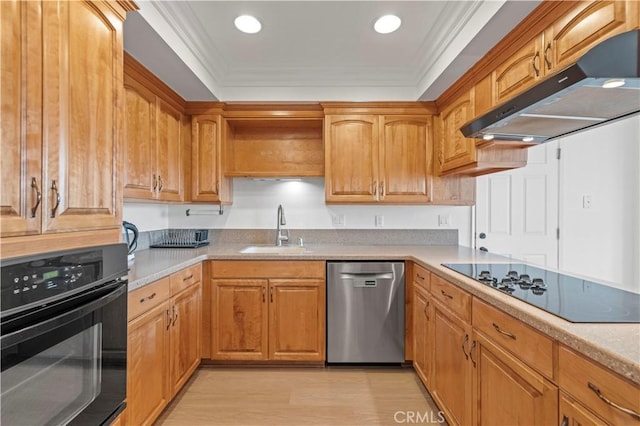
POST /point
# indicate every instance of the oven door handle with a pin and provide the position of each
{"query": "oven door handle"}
(115, 290)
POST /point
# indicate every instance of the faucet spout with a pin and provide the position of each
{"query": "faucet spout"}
(280, 236)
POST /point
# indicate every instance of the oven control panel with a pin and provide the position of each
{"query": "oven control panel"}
(28, 282)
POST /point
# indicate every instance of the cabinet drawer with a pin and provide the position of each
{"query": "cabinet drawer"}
(421, 277)
(268, 269)
(583, 378)
(144, 298)
(457, 300)
(185, 278)
(529, 345)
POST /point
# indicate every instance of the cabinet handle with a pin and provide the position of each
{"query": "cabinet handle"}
(546, 55)
(375, 188)
(54, 188)
(628, 411)
(264, 291)
(160, 184)
(168, 319)
(505, 333)
(464, 343)
(383, 190)
(217, 187)
(473, 346)
(271, 294)
(187, 278)
(175, 315)
(420, 276)
(536, 68)
(565, 421)
(155, 182)
(144, 299)
(426, 314)
(446, 295)
(34, 185)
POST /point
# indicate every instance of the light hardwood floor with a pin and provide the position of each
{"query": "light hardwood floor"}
(301, 396)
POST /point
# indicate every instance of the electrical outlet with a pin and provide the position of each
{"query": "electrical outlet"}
(338, 220)
(379, 221)
(444, 219)
(586, 201)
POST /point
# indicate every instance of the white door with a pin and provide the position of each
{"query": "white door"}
(517, 211)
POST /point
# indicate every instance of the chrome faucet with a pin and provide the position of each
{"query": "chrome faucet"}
(280, 237)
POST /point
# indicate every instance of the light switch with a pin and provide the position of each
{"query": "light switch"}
(444, 219)
(379, 221)
(338, 220)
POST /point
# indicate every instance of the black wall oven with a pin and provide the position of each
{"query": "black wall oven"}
(64, 337)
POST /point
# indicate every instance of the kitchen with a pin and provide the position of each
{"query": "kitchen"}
(255, 199)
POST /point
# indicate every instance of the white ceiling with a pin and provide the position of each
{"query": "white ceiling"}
(316, 50)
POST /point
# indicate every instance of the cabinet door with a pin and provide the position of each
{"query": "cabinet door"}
(81, 101)
(169, 153)
(520, 71)
(139, 141)
(451, 374)
(240, 320)
(422, 346)
(403, 159)
(21, 138)
(207, 181)
(586, 25)
(186, 327)
(572, 413)
(455, 150)
(297, 320)
(351, 158)
(148, 365)
(507, 392)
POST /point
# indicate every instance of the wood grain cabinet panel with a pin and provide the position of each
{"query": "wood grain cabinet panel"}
(455, 150)
(351, 158)
(240, 319)
(586, 25)
(267, 311)
(148, 387)
(154, 137)
(61, 102)
(507, 391)
(186, 330)
(422, 334)
(296, 320)
(572, 413)
(207, 181)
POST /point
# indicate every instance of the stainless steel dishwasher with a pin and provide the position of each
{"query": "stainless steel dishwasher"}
(365, 312)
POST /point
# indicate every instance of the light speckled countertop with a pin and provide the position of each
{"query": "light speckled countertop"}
(616, 346)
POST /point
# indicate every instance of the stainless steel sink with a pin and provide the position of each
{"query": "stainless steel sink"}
(274, 250)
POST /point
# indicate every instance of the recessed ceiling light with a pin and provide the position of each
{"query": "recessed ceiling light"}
(527, 139)
(248, 24)
(387, 24)
(488, 137)
(615, 82)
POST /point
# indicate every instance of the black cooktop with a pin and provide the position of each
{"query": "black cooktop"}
(573, 299)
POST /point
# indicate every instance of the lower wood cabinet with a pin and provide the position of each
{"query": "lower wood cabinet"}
(508, 392)
(422, 350)
(451, 377)
(267, 310)
(163, 342)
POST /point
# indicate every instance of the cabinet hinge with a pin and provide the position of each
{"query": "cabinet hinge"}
(557, 233)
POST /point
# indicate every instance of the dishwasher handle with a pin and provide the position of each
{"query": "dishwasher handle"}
(366, 276)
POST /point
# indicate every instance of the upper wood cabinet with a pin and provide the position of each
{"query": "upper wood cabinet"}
(585, 25)
(153, 137)
(457, 155)
(352, 158)
(208, 183)
(61, 116)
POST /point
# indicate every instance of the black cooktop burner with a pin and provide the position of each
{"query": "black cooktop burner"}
(570, 298)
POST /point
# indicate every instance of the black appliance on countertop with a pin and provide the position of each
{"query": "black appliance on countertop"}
(63, 337)
(571, 298)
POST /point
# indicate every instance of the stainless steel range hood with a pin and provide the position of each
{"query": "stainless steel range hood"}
(604, 85)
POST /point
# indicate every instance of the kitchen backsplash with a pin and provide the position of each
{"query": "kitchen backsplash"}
(319, 236)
